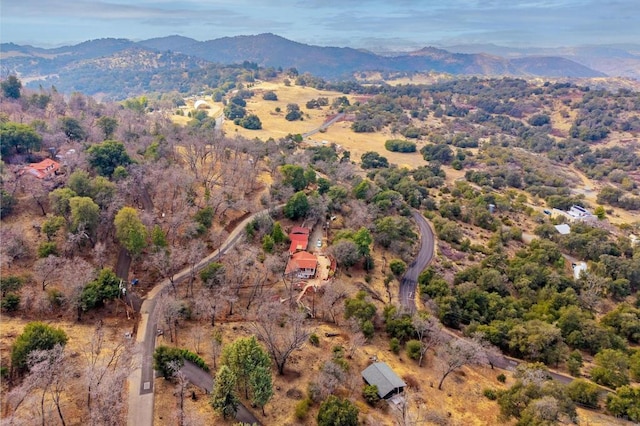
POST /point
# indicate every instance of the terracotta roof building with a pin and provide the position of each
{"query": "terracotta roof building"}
(42, 170)
(302, 264)
(299, 238)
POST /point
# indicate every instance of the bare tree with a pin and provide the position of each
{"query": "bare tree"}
(281, 331)
(182, 382)
(493, 353)
(429, 333)
(74, 275)
(46, 270)
(167, 263)
(42, 390)
(168, 309)
(331, 304)
(103, 359)
(457, 353)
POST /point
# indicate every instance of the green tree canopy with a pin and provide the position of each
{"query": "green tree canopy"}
(18, 138)
(11, 87)
(108, 125)
(106, 156)
(223, 396)
(85, 214)
(337, 412)
(35, 336)
(73, 129)
(130, 231)
(294, 176)
(297, 207)
(244, 357)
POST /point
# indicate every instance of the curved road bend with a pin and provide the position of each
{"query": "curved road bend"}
(409, 280)
(140, 411)
(408, 292)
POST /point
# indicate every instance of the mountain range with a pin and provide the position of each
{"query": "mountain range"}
(75, 67)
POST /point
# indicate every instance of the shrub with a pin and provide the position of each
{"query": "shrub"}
(10, 303)
(490, 394)
(413, 349)
(46, 249)
(394, 345)
(302, 408)
(314, 339)
(370, 394)
(501, 378)
(396, 145)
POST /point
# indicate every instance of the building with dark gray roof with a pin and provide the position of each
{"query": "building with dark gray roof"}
(381, 375)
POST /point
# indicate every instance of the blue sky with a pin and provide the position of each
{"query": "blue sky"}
(403, 24)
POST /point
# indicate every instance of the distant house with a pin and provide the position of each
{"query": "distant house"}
(381, 375)
(577, 212)
(634, 240)
(578, 269)
(42, 170)
(563, 229)
(299, 237)
(302, 265)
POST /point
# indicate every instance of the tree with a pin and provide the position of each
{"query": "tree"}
(294, 176)
(52, 225)
(398, 267)
(297, 206)
(600, 212)
(625, 402)
(130, 231)
(59, 201)
(72, 129)
(612, 368)
(261, 386)
(19, 138)
(251, 122)
(244, 356)
(11, 87)
(108, 125)
(7, 202)
(106, 156)
(458, 353)
(35, 336)
(584, 393)
(345, 253)
(223, 397)
(337, 412)
(293, 112)
(281, 332)
(373, 160)
(85, 214)
(428, 332)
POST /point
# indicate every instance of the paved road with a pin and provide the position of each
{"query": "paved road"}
(142, 378)
(409, 280)
(324, 125)
(408, 286)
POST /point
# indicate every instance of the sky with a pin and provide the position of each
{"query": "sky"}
(372, 24)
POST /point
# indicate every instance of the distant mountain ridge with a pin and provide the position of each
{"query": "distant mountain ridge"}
(619, 60)
(177, 53)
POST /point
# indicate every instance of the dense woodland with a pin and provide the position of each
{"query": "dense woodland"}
(135, 184)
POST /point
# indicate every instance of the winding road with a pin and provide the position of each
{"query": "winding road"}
(409, 280)
(407, 294)
(141, 380)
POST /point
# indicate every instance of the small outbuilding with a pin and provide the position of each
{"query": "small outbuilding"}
(563, 229)
(387, 381)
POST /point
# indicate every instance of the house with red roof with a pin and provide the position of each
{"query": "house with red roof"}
(302, 264)
(299, 237)
(42, 170)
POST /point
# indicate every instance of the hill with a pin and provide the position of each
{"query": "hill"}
(68, 67)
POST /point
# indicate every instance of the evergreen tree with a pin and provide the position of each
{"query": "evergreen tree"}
(223, 397)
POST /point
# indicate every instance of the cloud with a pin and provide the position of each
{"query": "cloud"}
(335, 22)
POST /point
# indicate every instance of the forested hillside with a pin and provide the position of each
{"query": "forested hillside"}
(532, 189)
